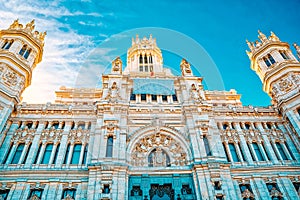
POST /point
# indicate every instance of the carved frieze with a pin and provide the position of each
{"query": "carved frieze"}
(229, 135)
(80, 135)
(157, 149)
(51, 134)
(24, 134)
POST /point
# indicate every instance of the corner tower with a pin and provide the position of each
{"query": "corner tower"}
(279, 71)
(21, 49)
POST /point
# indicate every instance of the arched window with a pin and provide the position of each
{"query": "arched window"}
(257, 152)
(71, 193)
(233, 153)
(22, 51)
(36, 194)
(280, 149)
(206, 145)
(247, 126)
(81, 125)
(55, 125)
(284, 55)
(269, 126)
(76, 154)
(145, 59)
(225, 126)
(56, 154)
(47, 154)
(109, 146)
(267, 62)
(27, 53)
(150, 59)
(7, 44)
(141, 59)
(18, 153)
(67, 154)
(271, 59)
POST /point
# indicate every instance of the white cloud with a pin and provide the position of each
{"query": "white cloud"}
(64, 52)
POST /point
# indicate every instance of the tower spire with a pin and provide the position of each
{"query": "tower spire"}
(262, 36)
(297, 49)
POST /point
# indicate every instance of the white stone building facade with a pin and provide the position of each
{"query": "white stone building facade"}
(147, 134)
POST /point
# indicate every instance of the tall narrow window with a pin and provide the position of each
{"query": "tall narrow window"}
(56, 154)
(257, 152)
(145, 59)
(141, 59)
(206, 145)
(47, 154)
(267, 62)
(7, 154)
(150, 59)
(27, 53)
(18, 153)
(290, 150)
(153, 97)
(164, 98)
(132, 97)
(37, 154)
(234, 155)
(174, 97)
(22, 51)
(109, 146)
(26, 155)
(85, 154)
(76, 154)
(280, 149)
(7, 44)
(284, 55)
(271, 59)
(143, 97)
(67, 154)
(243, 156)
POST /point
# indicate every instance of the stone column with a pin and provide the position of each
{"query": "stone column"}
(286, 151)
(239, 153)
(19, 189)
(252, 151)
(70, 154)
(11, 153)
(244, 146)
(81, 154)
(287, 188)
(63, 145)
(53, 153)
(228, 151)
(276, 150)
(91, 185)
(262, 191)
(41, 155)
(203, 191)
(269, 149)
(294, 121)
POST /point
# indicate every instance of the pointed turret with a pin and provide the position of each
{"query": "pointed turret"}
(279, 71)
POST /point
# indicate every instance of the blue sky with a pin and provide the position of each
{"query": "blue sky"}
(84, 36)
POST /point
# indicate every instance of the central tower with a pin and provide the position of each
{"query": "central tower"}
(144, 57)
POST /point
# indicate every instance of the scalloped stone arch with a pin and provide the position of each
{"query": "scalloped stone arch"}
(146, 139)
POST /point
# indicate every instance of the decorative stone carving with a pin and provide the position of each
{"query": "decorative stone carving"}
(275, 134)
(247, 194)
(163, 145)
(10, 78)
(24, 134)
(34, 197)
(197, 95)
(275, 193)
(113, 94)
(81, 135)
(252, 135)
(185, 67)
(68, 197)
(52, 134)
(229, 135)
(285, 85)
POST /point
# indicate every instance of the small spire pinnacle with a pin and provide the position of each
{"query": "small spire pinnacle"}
(136, 38)
(262, 36)
(297, 49)
(274, 37)
(250, 45)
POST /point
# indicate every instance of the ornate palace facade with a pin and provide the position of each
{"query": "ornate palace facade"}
(147, 134)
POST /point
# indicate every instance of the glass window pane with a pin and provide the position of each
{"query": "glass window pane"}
(234, 155)
(257, 152)
(47, 154)
(26, 155)
(56, 154)
(279, 147)
(67, 154)
(76, 154)
(85, 154)
(109, 146)
(37, 154)
(18, 154)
